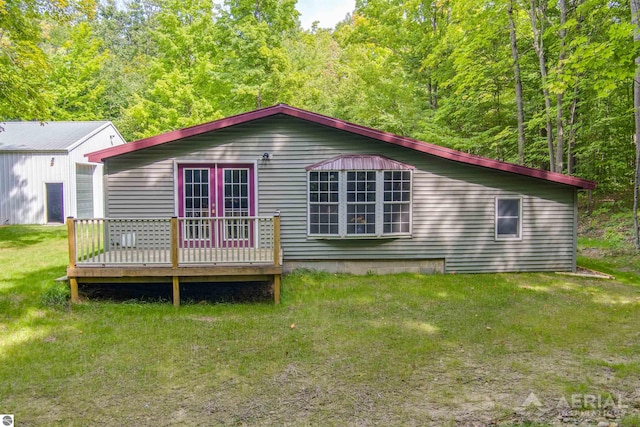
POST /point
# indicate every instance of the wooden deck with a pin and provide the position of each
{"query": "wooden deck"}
(157, 251)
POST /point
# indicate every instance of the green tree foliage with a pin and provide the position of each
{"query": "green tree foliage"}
(253, 64)
(24, 65)
(76, 80)
(179, 76)
(438, 70)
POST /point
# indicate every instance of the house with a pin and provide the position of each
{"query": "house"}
(347, 198)
(44, 174)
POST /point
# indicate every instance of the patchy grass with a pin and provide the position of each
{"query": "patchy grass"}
(340, 350)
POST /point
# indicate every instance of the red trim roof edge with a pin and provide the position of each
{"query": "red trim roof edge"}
(424, 147)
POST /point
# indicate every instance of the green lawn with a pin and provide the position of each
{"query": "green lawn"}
(339, 350)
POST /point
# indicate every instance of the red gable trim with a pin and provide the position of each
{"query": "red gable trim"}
(423, 147)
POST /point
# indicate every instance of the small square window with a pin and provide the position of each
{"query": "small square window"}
(508, 218)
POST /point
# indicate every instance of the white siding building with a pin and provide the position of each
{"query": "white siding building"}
(44, 174)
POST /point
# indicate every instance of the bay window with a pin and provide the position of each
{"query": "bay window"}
(359, 202)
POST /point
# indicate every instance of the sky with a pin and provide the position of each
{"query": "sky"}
(327, 12)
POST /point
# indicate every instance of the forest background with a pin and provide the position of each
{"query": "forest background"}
(545, 84)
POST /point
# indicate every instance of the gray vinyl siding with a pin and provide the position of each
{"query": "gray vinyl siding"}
(453, 204)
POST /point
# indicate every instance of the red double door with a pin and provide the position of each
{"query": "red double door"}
(221, 199)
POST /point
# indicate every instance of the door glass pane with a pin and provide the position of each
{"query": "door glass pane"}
(236, 203)
(196, 204)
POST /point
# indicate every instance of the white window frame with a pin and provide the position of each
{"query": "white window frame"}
(518, 235)
(379, 206)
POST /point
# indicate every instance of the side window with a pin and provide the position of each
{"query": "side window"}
(508, 218)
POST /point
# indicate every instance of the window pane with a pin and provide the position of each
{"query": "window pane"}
(361, 219)
(397, 186)
(508, 207)
(508, 226)
(396, 218)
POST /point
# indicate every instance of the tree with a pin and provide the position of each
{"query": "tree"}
(635, 19)
(77, 87)
(517, 81)
(180, 84)
(23, 63)
(537, 24)
(253, 64)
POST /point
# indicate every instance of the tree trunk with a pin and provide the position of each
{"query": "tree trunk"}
(560, 96)
(635, 10)
(518, 82)
(432, 89)
(433, 85)
(572, 132)
(538, 45)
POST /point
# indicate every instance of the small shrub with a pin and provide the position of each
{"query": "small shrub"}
(56, 295)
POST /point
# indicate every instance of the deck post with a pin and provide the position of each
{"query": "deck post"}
(174, 260)
(174, 242)
(276, 238)
(71, 235)
(276, 289)
(276, 256)
(176, 291)
(73, 284)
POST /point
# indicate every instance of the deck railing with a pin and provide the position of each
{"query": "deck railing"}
(174, 241)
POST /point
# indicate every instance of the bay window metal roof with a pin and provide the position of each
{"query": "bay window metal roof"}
(358, 162)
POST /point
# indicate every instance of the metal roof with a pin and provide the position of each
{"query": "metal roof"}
(283, 109)
(359, 162)
(46, 136)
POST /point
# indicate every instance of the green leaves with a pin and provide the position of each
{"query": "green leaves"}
(442, 71)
